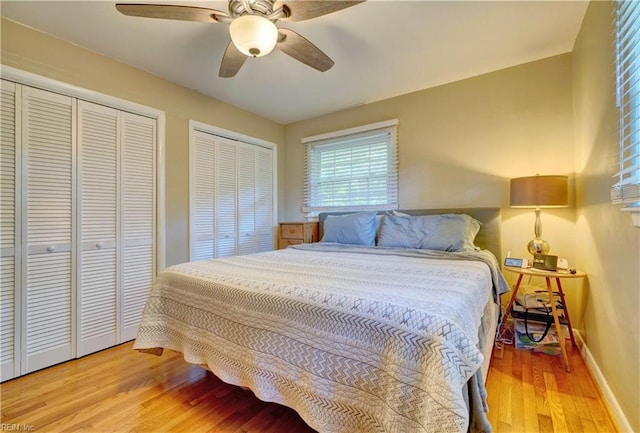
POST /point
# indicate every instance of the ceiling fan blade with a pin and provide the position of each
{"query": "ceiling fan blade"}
(301, 10)
(232, 61)
(296, 46)
(171, 12)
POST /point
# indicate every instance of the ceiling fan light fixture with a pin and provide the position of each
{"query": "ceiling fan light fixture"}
(253, 35)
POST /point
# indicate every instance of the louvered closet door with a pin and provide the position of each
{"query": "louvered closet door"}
(264, 199)
(225, 198)
(97, 190)
(247, 239)
(48, 282)
(137, 138)
(203, 190)
(9, 231)
(255, 199)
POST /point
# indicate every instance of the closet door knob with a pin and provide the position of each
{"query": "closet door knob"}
(99, 245)
(51, 249)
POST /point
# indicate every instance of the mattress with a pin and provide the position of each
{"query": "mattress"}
(355, 339)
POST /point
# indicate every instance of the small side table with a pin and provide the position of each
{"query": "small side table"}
(293, 233)
(548, 275)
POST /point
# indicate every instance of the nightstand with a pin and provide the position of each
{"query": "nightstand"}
(297, 233)
(548, 276)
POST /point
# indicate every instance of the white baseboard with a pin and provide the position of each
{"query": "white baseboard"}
(614, 408)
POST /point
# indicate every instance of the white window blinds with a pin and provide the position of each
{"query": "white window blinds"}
(353, 169)
(626, 187)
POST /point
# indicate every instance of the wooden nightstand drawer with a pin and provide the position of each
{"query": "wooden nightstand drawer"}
(296, 233)
(284, 243)
(292, 231)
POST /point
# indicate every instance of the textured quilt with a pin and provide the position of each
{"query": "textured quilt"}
(354, 339)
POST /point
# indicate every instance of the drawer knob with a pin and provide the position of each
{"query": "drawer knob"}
(292, 231)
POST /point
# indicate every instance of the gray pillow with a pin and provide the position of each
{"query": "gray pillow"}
(399, 231)
(445, 232)
(357, 228)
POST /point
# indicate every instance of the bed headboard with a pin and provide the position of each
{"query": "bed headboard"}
(489, 237)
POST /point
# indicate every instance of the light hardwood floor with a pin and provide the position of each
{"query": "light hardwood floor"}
(530, 392)
(121, 390)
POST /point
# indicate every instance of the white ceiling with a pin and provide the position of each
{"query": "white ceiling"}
(381, 49)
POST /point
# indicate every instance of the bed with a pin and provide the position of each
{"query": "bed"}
(382, 337)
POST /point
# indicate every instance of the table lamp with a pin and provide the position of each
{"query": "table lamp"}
(539, 192)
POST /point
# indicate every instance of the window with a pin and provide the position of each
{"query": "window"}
(626, 189)
(353, 169)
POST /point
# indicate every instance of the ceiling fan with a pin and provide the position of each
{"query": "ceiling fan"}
(252, 27)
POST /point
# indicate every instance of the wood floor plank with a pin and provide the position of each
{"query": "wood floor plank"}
(540, 388)
(262, 420)
(545, 424)
(567, 400)
(555, 406)
(599, 415)
(493, 386)
(122, 390)
(505, 410)
(529, 411)
(517, 394)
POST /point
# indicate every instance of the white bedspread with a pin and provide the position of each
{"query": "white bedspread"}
(354, 341)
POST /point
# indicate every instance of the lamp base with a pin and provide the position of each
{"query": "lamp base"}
(538, 246)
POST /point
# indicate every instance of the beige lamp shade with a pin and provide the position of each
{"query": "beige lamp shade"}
(540, 191)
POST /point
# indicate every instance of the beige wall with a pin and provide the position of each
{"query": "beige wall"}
(607, 244)
(44, 55)
(460, 143)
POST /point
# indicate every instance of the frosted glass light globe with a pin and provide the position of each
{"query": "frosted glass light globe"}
(253, 35)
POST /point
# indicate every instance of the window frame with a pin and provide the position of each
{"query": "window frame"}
(625, 190)
(352, 138)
